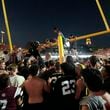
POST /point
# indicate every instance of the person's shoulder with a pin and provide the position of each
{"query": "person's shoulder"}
(84, 100)
(35, 79)
(20, 77)
(61, 79)
(41, 80)
(11, 89)
(65, 77)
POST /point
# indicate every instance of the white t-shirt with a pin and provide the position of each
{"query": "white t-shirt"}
(16, 80)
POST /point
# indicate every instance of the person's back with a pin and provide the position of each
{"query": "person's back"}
(35, 89)
(15, 79)
(65, 88)
(64, 93)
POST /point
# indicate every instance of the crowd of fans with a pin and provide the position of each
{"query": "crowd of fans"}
(28, 82)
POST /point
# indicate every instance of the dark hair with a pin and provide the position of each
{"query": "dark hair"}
(68, 69)
(51, 63)
(93, 60)
(57, 66)
(107, 69)
(4, 80)
(33, 70)
(93, 79)
(12, 67)
(70, 60)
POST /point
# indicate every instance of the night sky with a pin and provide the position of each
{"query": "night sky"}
(34, 20)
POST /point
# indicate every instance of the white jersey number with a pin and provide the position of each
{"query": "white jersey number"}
(3, 104)
(68, 87)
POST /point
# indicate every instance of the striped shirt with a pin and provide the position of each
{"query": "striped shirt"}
(93, 102)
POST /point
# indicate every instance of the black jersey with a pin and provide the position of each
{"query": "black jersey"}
(65, 86)
(53, 78)
(64, 93)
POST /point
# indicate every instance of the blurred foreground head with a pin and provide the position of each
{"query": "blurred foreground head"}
(4, 80)
(93, 79)
(68, 69)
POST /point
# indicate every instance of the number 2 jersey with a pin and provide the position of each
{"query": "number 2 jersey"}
(7, 98)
